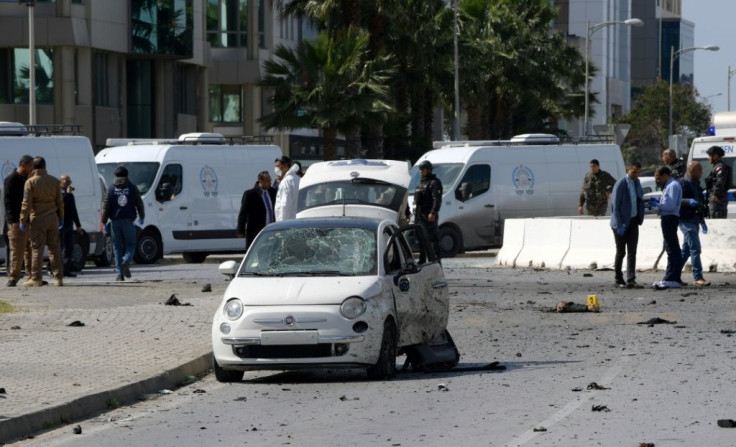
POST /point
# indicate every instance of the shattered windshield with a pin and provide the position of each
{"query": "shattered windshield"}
(141, 174)
(312, 251)
(357, 191)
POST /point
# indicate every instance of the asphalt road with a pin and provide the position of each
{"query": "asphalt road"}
(667, 384)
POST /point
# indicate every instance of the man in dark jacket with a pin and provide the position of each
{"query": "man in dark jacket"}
(18, 241)
(676, 165)
(627, 214)
(71, 219)
(122, 202)
(718, 183)
(692, 212)
(256, 208)
(427, 202)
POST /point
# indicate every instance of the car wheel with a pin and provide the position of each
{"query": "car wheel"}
(449, 242)
(80, 251)
(107, 257)
(385, 367)
(193, 257)
(148, 250)
(226, 375)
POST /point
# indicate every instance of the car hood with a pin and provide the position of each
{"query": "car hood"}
(299, 290)
(352, 210)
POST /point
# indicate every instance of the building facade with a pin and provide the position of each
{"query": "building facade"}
(143, 68)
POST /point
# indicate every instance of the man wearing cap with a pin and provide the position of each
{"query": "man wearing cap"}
(597, 186)
(122, 202)
(288, 190)
(427, 202)
(717, 183)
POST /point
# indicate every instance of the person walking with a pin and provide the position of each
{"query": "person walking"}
(427, 203)
(43, 208)
(627, 214)
(121, 205)
(256, 208)
(692, 212)
(718, 183)
(596, 189)
(288, 190)
(18, 241)
(676, 165)
(668, 208)
(71, 219)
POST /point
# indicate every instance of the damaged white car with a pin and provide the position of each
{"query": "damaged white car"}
(340, 286)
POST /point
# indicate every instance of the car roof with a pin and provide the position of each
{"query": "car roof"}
(325, 222)
(391, 171)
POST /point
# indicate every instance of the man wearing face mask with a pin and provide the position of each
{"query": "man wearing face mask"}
(288, 190)
(668, 208)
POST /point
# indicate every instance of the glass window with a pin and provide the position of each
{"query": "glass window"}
(312, 251)
(225, 104)
(102, 88)
(14, 76)
(370, 192)
(162, 27)
(445, 172)
(140, 174)
(170, 184)
(476, 181)
(187, 89)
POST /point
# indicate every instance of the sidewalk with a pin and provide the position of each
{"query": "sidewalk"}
(131, 344)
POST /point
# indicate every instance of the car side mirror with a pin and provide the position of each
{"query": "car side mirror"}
(228, 268)
(410, 268)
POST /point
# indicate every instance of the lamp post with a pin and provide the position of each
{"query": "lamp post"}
(31, 63)
(730, 73)
(590, 31)
(456, 126)
(674, 55)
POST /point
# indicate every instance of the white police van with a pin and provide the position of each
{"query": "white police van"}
(191, 188)
(485, 182)
(65, 152)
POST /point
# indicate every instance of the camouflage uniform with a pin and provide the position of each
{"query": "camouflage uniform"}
(593, 193)
(717, 184)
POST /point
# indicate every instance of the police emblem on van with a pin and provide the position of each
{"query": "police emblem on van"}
(208, 178)
(523, 179)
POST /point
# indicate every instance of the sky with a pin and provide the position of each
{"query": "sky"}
(714, 25)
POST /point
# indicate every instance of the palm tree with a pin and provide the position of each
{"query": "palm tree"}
(326, 84)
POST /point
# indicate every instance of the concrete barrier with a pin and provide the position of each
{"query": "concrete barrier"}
(571, 242)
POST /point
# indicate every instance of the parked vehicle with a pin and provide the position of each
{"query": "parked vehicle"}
(65, 152)
(485, 182)
(191, 189)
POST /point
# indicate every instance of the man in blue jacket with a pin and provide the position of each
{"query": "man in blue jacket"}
(627, 213)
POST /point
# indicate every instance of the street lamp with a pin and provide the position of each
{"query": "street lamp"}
(591, 30)
(31, 63)
(456, 125)
(730, 73)
(674, 55)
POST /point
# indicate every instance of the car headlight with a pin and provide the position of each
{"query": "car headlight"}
(233, 309)
(353, 307)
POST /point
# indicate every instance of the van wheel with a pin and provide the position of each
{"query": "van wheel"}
(149, 248)
(80, 251)
(385, 367)
(107, 257)
(449, 242)
(226, 375)
(194, 257)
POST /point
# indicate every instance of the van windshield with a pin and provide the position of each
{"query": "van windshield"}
(141, 174)
(446, 172)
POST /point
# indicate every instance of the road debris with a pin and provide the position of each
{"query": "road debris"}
(539, 429)
(15, 328)
(600, 408)
(174, 301)
(207, 288)
(656, 320)
(569, 306)
(646, 444)
(726, 423)
(442, 387)
(76, 323)
(595, 386)
(78, 430)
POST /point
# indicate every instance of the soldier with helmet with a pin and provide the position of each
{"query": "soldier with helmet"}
(597, 186)
(718, 183)
(427, 202)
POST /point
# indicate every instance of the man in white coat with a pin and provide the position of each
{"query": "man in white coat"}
(288, 192)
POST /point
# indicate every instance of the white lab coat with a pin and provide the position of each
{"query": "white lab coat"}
(287, 195)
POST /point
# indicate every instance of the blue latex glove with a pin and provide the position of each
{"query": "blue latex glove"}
(22, 227)
(704, 227)
(107, 228)
(692, 202)
(654, 202)
(620, 230)
(140, 221)
(61, 225)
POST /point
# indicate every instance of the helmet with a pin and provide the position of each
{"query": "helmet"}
(715, 150)
(426, 164)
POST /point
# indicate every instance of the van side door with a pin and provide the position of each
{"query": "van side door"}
(174, 215)
(477, 206)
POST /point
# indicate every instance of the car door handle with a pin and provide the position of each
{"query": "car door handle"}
(183, 208)
(490, 206)
(439, 284)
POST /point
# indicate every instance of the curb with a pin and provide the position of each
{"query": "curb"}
(16, 428)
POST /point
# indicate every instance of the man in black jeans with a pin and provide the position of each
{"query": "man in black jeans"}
(427, 203)
(71, 218)
(627, 213)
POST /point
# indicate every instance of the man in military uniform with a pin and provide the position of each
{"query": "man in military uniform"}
(676, 165)
(427, 202)
(597, 186)
(717, 183)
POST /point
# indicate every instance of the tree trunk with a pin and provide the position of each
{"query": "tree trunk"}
(329, 137)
